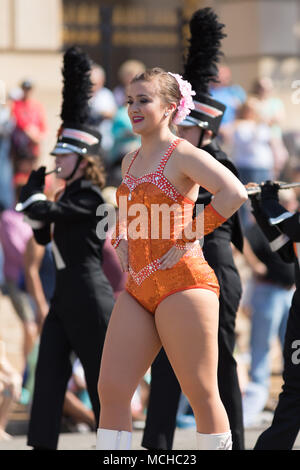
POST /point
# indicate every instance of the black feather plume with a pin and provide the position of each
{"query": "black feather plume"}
(77, 87)
(204, 50)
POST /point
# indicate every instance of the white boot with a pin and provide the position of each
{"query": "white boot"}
(221, 441)
(108, 439)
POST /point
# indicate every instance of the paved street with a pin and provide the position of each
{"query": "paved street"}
(11, 333)
(184, 439)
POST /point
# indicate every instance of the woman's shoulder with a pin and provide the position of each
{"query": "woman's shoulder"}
(185, 147)
(186, 150)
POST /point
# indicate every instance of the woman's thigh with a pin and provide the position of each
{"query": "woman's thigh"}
(131, 345)
(187, 323)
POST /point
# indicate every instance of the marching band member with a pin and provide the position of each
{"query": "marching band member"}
(83, 297)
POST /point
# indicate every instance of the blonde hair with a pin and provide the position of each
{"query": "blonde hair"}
(130, 68)
(94, 170)
(169, 90)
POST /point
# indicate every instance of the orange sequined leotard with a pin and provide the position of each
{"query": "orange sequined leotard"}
(146, 282)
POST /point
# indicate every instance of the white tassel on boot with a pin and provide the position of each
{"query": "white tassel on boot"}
(108, 439)
(221, 441)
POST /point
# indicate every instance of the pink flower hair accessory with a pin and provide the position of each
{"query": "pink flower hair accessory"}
(186, 103)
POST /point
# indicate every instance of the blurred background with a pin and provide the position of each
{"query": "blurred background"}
(263, 38)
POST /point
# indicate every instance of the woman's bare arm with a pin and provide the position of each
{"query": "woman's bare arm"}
(202, 168)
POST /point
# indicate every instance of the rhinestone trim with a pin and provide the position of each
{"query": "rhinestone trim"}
(157, 177)
(140, 276)
(117, 242)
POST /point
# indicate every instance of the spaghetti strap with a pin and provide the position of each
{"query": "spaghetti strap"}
(132, 160)
(167, 155)
(162, 162)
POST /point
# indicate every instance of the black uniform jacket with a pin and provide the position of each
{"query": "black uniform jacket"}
(70, 224)
(291, 250)
(217, 249)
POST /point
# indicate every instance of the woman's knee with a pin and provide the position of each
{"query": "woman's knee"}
(112, 390)
(199, 390)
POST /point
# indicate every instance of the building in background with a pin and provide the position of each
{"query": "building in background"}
(263, 39)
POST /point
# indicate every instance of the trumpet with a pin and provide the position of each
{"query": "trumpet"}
(282, 185)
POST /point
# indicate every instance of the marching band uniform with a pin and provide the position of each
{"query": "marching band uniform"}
(83, 298)
(282, 229)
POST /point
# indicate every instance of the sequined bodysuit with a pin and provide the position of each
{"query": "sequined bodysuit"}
(146, 282)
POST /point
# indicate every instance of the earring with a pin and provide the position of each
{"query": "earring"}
(166, 114)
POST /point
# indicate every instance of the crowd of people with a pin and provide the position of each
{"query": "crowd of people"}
(45, 295)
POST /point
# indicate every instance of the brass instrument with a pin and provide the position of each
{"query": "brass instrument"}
(56, 170)
(257, 189)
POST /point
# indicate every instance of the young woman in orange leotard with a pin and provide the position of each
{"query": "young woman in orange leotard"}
(171, 297)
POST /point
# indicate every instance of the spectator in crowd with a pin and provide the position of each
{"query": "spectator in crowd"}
(103, 107)
(125, 141)
(1, 267)
(10, 389)
(40, 277)
(269, 301)
(273, 112)
(139, 402)
(39, 273)
(251, 142)
(126, 72)
(39, 267)
(6, 173)
(228, 93)
(14, 235)
(29, 131)
(77, 405)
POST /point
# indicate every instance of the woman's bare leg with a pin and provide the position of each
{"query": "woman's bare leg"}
(187, 323)
(131, 344)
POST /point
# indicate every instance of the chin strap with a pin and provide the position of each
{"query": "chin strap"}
(79, 159)
(201, 138)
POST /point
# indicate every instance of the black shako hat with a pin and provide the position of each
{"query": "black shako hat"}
(200, 69)
(75, 135)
